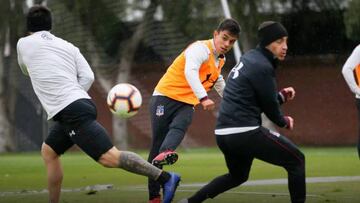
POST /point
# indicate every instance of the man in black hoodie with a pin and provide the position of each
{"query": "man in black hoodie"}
(250, 90)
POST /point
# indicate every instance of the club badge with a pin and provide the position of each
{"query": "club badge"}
(160, 110)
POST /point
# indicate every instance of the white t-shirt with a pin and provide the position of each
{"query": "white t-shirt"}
(59, 73)
(348, 71)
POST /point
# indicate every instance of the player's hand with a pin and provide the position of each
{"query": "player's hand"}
(208, 104)
(287, 94)
(289, 122)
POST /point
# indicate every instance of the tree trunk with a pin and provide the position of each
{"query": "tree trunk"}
(124, 71)
(6, 143)
(126, 56)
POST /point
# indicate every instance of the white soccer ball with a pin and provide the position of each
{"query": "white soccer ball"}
(124, 100)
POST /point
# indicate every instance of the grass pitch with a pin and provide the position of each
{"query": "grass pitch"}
(23, 178)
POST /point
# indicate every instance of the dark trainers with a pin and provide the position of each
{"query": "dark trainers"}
(170, 186)
(155, 200)
(168, 157)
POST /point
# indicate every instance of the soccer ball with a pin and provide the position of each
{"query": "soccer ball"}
(124, 100)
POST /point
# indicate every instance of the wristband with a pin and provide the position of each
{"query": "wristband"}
(287, 120)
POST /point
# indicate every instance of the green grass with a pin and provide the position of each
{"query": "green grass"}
(25, 172)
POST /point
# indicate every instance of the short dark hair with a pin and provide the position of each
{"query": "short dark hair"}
(38, 19)
(230, 25)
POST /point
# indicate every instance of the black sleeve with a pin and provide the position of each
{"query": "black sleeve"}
(267, 96)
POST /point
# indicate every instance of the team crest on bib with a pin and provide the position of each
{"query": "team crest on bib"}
(160, 110)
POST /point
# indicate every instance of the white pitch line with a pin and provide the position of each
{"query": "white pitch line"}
(330, 179)
(182, 187)
(285, 181)
(253, 193)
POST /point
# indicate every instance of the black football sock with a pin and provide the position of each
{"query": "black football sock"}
(163, 178)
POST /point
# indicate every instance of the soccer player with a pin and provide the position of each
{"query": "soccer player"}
(351, 73)
(185, 84)
(250, 90)
(61, 77)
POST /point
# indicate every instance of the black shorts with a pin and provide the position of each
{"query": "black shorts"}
(76, 124)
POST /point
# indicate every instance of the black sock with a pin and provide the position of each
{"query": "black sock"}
(217, 186)
(196, 198)
(163, 178)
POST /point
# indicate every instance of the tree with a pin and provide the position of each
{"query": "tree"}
(294, 14)
(11, 22)
(250, 14)
(110, 45)
(4, 41)
(352, 20)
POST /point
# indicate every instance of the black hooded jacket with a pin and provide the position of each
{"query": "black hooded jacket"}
(250, 90)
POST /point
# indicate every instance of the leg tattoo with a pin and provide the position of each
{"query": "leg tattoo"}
(134, 163)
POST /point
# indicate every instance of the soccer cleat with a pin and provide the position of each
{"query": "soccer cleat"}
(170, 186)
(168, 157)
(155, 200)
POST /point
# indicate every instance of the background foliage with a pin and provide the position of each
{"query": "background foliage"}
(118, 37)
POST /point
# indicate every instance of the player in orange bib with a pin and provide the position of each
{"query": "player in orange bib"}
(185, 84)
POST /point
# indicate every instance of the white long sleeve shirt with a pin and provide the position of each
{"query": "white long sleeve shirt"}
(348, 71)
(59, 73)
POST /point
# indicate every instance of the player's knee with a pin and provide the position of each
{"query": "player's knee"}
(105, 163)
(110, 159)
(297, 167)
(48, 154)
(297, 171)
(301, 156)
(237, 179)
(298, 160)
(301, 162)
(241, 179)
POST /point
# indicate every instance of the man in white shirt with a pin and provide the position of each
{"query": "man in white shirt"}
(61, 77)
(351, 73)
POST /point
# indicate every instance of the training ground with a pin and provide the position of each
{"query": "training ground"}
(333, 175)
